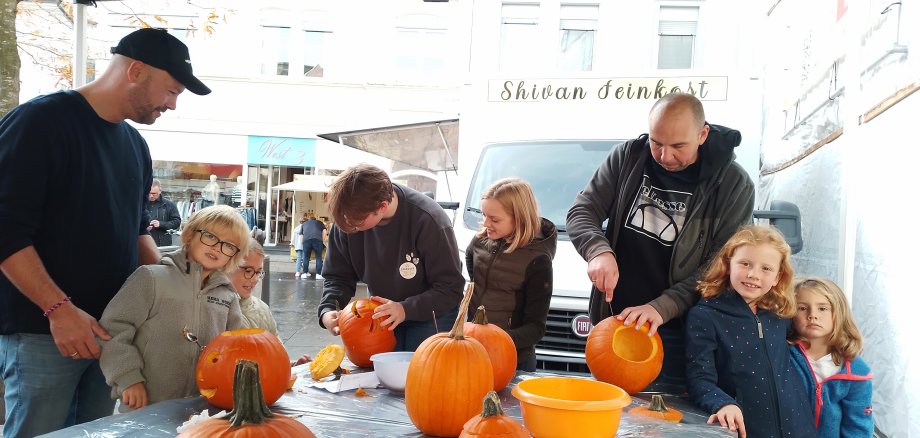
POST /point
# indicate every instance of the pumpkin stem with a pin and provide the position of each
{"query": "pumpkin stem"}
(456, 332)
(657, 404)
(248, 405)
(492, 405)
(480, 317)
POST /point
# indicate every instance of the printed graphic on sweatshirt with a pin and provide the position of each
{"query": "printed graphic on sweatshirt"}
(408, 269)
(658, 213)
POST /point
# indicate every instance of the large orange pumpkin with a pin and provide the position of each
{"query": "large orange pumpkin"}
(624, 356)
(362, 335)
(498, 344)
(448, 376)
(493, 422)
(250, 416)
(217, 362)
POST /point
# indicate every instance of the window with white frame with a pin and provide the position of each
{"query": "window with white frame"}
(676, 36)
(421, 50)
(577, 29)
(519, 32)
(315, 45)
(276, 50)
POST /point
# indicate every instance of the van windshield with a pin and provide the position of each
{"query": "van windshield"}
(557, 171)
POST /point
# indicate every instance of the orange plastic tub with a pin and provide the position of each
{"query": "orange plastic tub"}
(563, 407)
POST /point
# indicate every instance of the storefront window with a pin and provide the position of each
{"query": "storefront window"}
(184, 184)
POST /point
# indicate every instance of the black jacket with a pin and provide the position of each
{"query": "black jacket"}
(737, 357)
(723, 201)
(166, 212)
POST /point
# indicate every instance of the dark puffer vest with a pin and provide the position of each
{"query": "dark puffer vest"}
(515, 288)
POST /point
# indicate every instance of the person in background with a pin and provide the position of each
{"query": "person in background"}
(401, 244)
(314, 234)
(297, 244)
(738, 365)
(149, 358)
(164, 215)
(50, 299)
(825, 353)
(670, 199)
(510, 260)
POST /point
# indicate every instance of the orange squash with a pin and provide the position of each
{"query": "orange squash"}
(624, 356)
(493, 422)
(498, 344)
(362, 335)
(657, 409)
(448, 376)
(250, 416)
(217, 362)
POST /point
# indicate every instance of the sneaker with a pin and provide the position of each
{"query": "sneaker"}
(303, 276)
(297, 274)
(319, 277)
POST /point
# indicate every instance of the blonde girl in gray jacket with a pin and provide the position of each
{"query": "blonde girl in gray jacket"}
(148, 358)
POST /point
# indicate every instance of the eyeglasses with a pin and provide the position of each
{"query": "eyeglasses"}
(226, 248)
(250, 272)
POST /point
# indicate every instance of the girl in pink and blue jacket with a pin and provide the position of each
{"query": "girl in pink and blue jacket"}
(825, 349)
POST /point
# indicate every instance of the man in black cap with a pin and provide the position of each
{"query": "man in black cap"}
(73, 151)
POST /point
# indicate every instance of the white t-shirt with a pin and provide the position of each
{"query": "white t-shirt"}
(824, 367)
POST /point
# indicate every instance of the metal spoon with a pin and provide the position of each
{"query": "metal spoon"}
(189, 336)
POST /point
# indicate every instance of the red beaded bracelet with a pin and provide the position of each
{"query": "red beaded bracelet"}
(55, 306)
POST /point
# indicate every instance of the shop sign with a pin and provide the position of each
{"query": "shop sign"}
(606, 89)
(282, 151)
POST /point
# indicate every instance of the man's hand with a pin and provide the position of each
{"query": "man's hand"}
(393, 311)
(155, 223)
(640, 315)
(74, 332)
(730, 416)
(135, 396)
(330, 320)
(604, 272)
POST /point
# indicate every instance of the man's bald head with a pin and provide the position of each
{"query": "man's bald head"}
(678, 102)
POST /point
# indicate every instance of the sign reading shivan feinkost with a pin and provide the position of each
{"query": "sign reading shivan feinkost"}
(606, 89)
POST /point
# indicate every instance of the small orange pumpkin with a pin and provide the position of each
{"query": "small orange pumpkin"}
(362, 335)
(657, 409)
(623, 356)
(493, 422)
(448, 376)
(498, 344)
(250, 416)
(217, 362)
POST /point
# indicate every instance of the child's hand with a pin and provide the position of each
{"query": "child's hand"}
(393, 311)
(303, 359)
(730, 416)
(135, 396)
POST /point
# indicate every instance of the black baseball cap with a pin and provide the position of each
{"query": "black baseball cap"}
(158, 48)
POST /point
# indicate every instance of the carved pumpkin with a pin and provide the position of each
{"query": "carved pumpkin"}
(657, 409)
(250, 416)
(363, 335)
(326, 361)
(217, 362)
(498, 344)
(624, 356)
(448, 376)
(493, 422)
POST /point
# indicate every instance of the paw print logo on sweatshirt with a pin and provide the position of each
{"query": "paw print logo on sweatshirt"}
(408, 269)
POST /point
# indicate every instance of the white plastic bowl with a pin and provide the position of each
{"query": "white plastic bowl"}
(391, 368)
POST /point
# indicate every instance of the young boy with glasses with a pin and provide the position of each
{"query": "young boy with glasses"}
(149, 357)
(244, 280)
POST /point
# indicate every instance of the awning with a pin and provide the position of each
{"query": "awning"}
(431, 146)
(308, 183)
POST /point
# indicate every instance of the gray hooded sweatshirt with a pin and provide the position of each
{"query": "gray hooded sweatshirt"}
(146, 320)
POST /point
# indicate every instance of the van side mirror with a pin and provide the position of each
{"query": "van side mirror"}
(785, 216)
